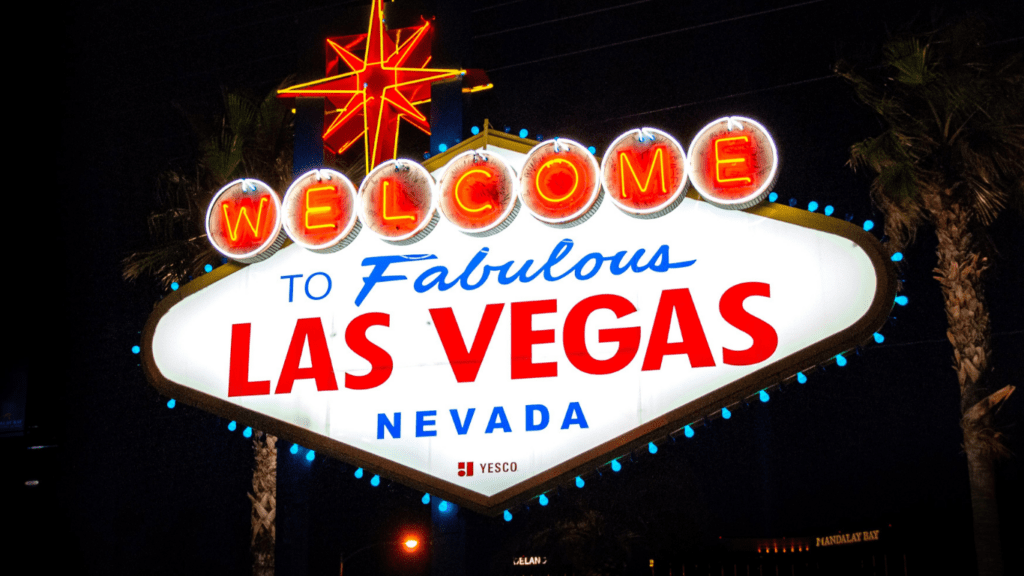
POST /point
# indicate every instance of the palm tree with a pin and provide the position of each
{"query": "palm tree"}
(251, 139)
(952, 157)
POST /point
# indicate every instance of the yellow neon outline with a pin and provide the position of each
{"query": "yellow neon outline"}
(459, 183)
(718, 162)
(384, 206)
(575, 184)
(317, 209)
(238, 221)
(487, 86)
(658, 156)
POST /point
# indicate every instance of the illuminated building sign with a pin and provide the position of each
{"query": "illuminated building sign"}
(485, 355)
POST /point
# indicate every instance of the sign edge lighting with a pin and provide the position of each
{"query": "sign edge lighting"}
(817, 353)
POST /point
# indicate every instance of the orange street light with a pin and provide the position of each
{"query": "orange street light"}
(411, 543)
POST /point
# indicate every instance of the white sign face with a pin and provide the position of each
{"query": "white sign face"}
(485, 369)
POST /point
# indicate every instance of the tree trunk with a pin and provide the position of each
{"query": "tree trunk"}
(264, 504)
(959, 272)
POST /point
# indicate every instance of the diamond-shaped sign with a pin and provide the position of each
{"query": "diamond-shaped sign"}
(487, 368)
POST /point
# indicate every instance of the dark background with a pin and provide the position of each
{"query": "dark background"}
(128, 486)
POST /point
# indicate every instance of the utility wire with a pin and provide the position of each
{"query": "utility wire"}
(658, 35)
(570, 17)
(726, 97)
(495, 6)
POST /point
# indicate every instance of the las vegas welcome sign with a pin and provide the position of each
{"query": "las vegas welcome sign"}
(511, 315)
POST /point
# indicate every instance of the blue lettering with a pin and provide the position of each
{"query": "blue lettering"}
(394, 428)
(462, 426)
(561, 250)
(498, 420)
(439, 273)
(380, 264)
(437, 277)
(326, 292)
(291, 284)
(533, 409)
(574, 415)
(422, 423)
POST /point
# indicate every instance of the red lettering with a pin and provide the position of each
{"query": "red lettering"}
(573, 339)
(524, 337)
(380, 361)
(308, 330)
(766, 340)
(238, 371)
(694, 344)
(465, 364)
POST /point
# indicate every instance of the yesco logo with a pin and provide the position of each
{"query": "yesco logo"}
(732, 164)
(467, 468)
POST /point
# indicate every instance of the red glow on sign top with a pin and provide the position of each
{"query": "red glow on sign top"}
(733, 161)
(477, 191)
(560, 181)
(396, 200)
(319, 209)
(644, 171)
(243, 218)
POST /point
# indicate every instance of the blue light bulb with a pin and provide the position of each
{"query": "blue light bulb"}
(232, 426)
(902, 300)
(543, 500)
(763, 396)
(688, 431)
(247, 432)
(829, 210)
(592, 150)
(879, 338)
(136, 349)
(840, 360)
(443, 506)
(174, 286)
(652, 448)
(294, 449)
(359, 473)
(897, 257)
(523, 134)
(773, 196)
(580, 483)
(474, 130)
(375, 481)
(442, 147)
(171, 403)
(801, 378)
(726, 413)
(208, 268)
(812, 206)
(426, 497)
(868, 225)
(616, 466)
(310, 455)
(507, 515)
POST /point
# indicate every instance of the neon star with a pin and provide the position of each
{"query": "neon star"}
(387, 83)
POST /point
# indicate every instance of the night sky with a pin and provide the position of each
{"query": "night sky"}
(128, 486)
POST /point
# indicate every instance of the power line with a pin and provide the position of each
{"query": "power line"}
(497, 32)
(658, 35)
(495, 6)
(727, 96)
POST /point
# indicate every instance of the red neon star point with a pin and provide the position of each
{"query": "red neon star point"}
(366, 96)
